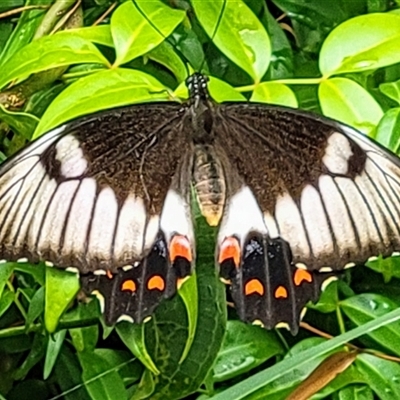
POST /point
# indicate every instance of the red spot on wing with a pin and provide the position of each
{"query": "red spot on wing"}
(129, 285)
(180, 247)
(281, 292)
(156, 282)
(254, 286)
(302, 275)
(230, 248)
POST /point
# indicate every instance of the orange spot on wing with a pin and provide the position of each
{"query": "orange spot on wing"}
(109, 274)
(180, 247)
(281, 292)
(156, 282)
(129, 285)
(302, 275)
(230, 248)
(254, 286)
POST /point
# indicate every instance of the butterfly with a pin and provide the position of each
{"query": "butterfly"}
(297, 198)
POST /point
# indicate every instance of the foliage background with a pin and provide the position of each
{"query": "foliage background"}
(337, 58)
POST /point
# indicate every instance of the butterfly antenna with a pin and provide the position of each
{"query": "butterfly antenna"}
(215, 30)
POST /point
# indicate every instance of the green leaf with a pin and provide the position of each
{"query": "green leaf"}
(50, 52)
(22, 34)
(99, 91)
(21, 122)
(388, 130)
(139, 27)
(356, 392)
(244, 348)
(381, 375)
(36, 306)
(189, 295)
(367, 307)
(68, 373)
(391, 90)
(100, 34)
(5, 272)
(101, 381)
(346, 101)
(274, 93)
(165, 55)
(61, 288)
(287, 366)
(5, 301)
(374, 43)
(237, 32)
(36, 353)
(389, 267)
(53, 349)
(133, 337)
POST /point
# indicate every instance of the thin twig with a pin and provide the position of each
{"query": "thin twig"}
(104, 15)
(352, 346)
(66, 17)
(22, 9)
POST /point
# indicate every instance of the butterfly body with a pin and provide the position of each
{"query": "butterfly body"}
(295, 197)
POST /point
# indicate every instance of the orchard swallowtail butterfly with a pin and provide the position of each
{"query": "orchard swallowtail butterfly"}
(297, 199)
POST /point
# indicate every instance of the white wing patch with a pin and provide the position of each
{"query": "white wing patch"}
(337, 154)
(70, 155)
(291, 226)
(242, 215)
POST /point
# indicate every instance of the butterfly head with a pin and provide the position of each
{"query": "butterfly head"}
(197, 86)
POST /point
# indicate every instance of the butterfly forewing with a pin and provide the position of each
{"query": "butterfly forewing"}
(90, 195)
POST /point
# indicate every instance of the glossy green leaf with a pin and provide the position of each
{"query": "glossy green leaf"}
(100, 34)
(36, 353)
(50, 52)
(20, 122)
(346, 101)
(367, 307)
(141, 26)
(381, 375)
(389, 267)
(166, 55)
(329, 299)
(27, 24)
(388, 130)
(134, 339)
(53, 349)
(374, 43)
(102, 90)
(101, 381)
(356, 392)
(189, 295)
(6, 299)
(5, 272)
(36, 306)
(244, 348)
(68, 374)
(391, 90)
(237, 32)
(38, 272)
(274, 93)
(287, 366)
(61, 288)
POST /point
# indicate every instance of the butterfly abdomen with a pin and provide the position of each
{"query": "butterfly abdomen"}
(209, 183)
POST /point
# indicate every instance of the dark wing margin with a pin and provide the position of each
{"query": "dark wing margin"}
(330, 192)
